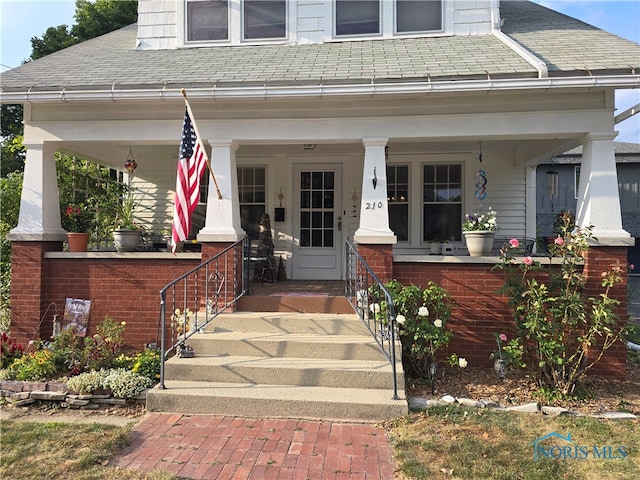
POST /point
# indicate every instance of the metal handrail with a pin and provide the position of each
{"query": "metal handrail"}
(373, 304)
(225, 278)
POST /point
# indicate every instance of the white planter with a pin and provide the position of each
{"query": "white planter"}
(479, 242)
(126, 240)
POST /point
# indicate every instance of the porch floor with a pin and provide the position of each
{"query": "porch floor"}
(304, 296)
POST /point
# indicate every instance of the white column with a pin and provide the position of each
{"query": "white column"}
(374, 213)
(39, 217)
(530, 203)
(598, 199)
(223, 215)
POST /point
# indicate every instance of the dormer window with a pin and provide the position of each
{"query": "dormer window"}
(357, 17)
(265, 19)
(422, 16)
(207, 20)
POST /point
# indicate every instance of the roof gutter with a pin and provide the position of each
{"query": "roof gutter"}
(537, 63)
(266, 91)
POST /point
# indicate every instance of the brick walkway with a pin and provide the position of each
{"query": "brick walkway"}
(211, 447)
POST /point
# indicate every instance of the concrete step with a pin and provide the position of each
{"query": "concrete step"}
(275, 401)
(320, 372)
(297, 345)
(297, 323)
(300, 304)
(275, 364)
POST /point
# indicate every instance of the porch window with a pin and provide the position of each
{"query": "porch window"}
(398, 199)
(442, 202)
(265, 19)
(357, 17)
(207, 20)
(422, 16)
(251, 190)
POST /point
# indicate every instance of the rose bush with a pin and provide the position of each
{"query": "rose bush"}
(562, 331)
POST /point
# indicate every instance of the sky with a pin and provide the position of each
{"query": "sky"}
(23, 19)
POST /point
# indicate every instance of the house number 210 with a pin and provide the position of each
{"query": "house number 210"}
(374, 205)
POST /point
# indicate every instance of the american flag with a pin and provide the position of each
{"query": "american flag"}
(192, 162)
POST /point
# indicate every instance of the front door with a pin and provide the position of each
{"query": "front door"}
(317, 251)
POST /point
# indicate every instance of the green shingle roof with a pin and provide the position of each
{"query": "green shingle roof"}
(111, 61)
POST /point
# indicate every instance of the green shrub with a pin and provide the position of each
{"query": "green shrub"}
(147, 364)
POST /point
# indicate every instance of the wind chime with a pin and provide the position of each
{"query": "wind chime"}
(481, 176)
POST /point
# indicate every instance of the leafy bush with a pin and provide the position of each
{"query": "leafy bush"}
(87, 382)
(563, 332)
(422, 316)
(147, 364)
(122, 383)
(9, 350)
(127, 384)
(33, 366)
(101, 350)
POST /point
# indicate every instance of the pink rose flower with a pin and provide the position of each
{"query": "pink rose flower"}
(559, 241)
(503, 337)
(514, 242)
(528, 260)
(631, 266)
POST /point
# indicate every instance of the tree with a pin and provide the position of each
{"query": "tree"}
(94, 18)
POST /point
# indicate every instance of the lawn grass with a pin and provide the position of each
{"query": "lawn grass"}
(63, 451)
(444, 442)
(458, 443)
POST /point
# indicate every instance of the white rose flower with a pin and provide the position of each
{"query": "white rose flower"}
(401, 319)
(375, 308)
(438, 322)
(462, 362)
(423, 311)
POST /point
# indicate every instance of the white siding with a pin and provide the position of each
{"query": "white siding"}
(472, 17)
(157, 24)
(160, 22)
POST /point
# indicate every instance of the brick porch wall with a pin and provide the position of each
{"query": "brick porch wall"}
(126, 289)
(480, 311)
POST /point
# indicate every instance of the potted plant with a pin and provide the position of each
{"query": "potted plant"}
(77, 220)
(126, 234)
(479, 229)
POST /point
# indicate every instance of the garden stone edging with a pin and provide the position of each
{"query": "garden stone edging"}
(418, 404)
(23, 394)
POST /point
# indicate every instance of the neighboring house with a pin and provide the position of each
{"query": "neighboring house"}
(567, 167)
(365, 120)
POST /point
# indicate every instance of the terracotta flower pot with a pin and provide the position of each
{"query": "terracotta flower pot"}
(77, 241)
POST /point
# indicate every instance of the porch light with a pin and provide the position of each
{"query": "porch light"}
(130, 164)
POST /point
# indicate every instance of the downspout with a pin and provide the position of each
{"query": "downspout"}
(536, 62)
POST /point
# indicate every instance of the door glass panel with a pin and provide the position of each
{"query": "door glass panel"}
(328, 199)
(305, 199)
(328, 180)
(305, 180)
(316, 199)
(317, 217)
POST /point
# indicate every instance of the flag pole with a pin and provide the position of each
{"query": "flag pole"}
(195, 128)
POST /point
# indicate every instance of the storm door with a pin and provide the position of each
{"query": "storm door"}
(317, 253)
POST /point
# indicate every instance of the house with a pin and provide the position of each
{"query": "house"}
(382, 122)
(566, 168)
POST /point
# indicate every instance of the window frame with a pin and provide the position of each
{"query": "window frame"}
(243, 23)
(396, 19)
(187, 27)
(406, 202)
(368, 34)
(241, 203)
(424, 203)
